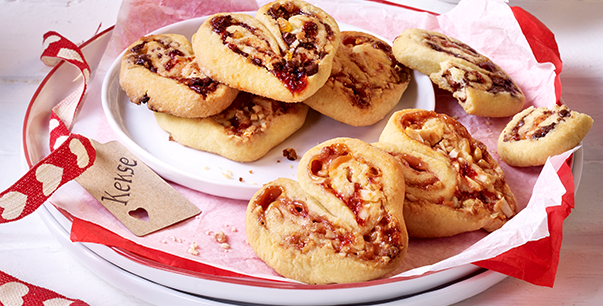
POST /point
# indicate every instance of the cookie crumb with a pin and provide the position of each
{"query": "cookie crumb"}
(240, 179)
(227, 174)
(192, 249)
(290, 154)
(234, 229)
(225, 245)
(220, 237)
(250, 171)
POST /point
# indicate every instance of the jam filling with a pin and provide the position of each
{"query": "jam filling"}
(361, 92)
(319, 168)
(442, 44)
(288, 10)
(203, 86)
(541, 131)
(463, 194)
(499, 83)
(381, 243)
(293, 73)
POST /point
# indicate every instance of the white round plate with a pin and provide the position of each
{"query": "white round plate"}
(130, 280)
(137, 129)
(160, 284)
(157, 283)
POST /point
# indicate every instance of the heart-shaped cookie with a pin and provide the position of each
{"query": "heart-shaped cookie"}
(482, 87)
(535, 134)
(341, 223)
(366, 81)
(284, 53)
(246, 131)
(161, 71)
(453, 185)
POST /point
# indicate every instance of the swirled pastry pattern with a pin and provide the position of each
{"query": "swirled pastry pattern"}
(537, 133)
(481, 87)
(342, 222)
(284, 53)
(453, 185)
(161, 71)
(366, 81)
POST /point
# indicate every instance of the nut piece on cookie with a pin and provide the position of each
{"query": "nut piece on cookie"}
(481, 87)
(538, 133)
(161, 71)
(366, 81)
(244, 132)
(453, 185)
(284, 53)
(342, 221)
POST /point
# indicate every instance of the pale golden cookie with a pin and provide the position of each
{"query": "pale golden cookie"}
(538, 133)
(343, 221)
(366, 81)
(249, 128)
(284, 53)
(453, 185)
(481, 87)
(161, 71)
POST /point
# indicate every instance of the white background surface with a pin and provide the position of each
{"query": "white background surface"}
(29, 252)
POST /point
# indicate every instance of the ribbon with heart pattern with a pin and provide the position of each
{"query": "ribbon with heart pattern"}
(71, 154)
(14, 292)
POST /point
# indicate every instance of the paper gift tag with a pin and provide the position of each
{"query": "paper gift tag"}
(132, 192)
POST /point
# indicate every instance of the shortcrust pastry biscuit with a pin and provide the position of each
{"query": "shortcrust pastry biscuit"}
(341, 222)
(366, 81)
(537, 133)
(161, 71)
(453, 185)
(248, 129)
(284, 53)
(481, 87)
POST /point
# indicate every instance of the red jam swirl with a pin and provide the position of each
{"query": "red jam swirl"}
(381, 244)
(203, 86)
(361, 92)
(541, 131)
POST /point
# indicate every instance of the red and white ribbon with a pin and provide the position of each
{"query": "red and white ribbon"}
(15, 292)
(71, 154)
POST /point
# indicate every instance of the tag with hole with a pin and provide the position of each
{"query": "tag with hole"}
(132, 192)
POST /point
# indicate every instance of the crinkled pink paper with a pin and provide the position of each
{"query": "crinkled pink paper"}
(488, 26)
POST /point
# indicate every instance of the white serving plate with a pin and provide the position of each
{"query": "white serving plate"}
(130, 280)
(161, 284)
(164, 285)
(136, 128)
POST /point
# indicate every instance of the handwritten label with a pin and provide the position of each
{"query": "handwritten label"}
(123, 179)
(132, 192)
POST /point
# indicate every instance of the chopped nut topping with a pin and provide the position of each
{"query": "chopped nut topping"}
(220, 237)
(290, 154)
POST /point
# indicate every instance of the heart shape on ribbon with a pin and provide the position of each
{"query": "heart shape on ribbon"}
(284, 53)
(343, 221)
(11, 294)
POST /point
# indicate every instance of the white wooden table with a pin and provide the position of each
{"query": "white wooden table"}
(29, 252)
